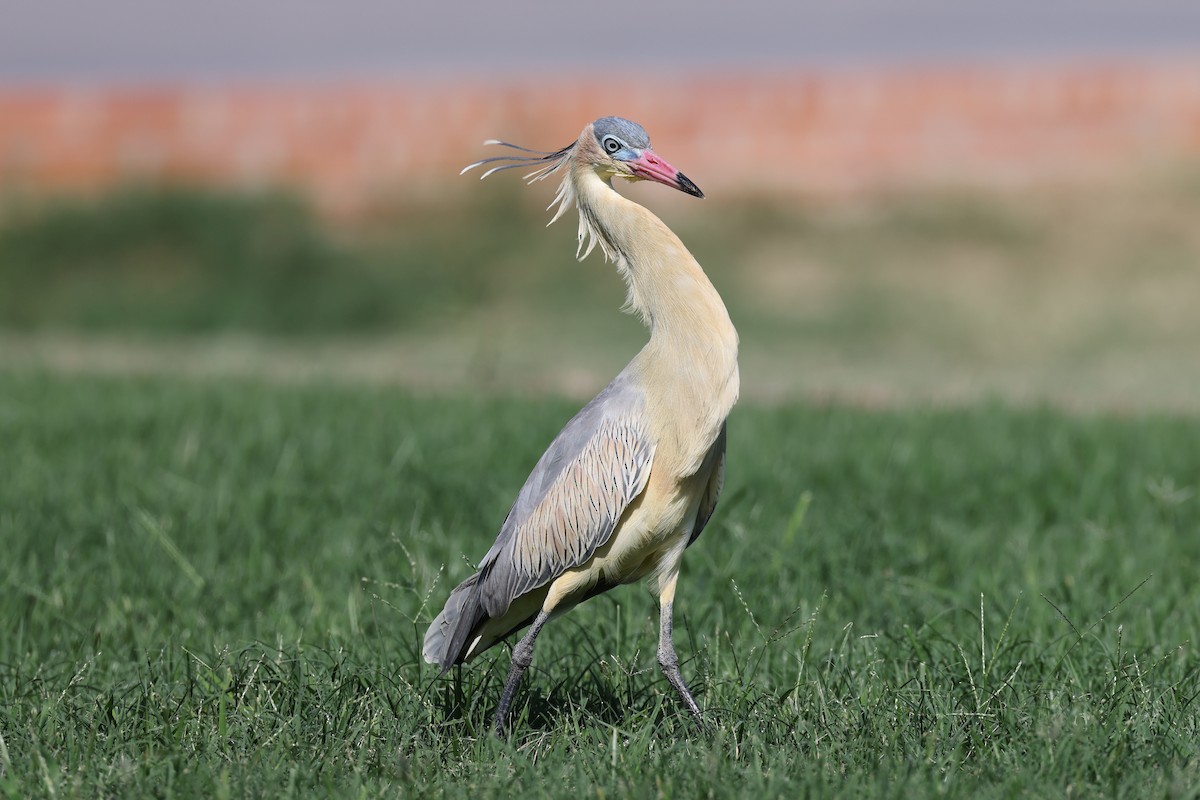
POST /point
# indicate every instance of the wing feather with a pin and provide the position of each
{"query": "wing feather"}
(577, 514)
(572, 501)
(569, 506)
(712, 492)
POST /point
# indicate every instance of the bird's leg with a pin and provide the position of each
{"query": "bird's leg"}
(522, 657)
(667, 659)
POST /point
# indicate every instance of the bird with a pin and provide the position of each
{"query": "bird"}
(632, 480)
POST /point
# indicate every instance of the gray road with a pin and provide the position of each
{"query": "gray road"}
(214, 39)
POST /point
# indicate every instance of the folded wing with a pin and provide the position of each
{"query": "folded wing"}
(570, 506)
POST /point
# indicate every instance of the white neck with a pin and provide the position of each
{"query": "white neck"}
(667, 287)
(692, 352)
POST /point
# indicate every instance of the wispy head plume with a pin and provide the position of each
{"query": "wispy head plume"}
(543, 163)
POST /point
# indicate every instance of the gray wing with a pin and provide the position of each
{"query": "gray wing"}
(716, 481)
(573, 499)
(569, 507)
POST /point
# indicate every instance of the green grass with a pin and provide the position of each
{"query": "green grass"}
(218, 589)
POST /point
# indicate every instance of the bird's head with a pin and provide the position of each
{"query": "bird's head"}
(621, 148)
(613, 146)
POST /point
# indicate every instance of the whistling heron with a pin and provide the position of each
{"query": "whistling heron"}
(633, 478)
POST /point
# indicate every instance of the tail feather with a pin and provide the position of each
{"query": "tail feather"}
(449, 634)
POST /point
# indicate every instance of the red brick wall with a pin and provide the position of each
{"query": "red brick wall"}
(808, 131)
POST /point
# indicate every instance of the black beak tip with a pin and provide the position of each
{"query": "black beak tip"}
(684, 183)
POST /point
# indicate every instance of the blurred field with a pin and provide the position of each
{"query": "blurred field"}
(1081, 295)
(217, 588)
(270, 376)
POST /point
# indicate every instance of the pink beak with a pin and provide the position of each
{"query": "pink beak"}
(652, 168)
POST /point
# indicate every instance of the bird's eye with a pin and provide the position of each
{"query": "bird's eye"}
(611, 145)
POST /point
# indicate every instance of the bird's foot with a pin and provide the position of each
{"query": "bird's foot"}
(670, 668)
(500, 723)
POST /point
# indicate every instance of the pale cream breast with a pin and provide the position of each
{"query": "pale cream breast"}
(650, 538)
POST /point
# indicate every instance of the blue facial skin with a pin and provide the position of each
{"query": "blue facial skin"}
(621, 139)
